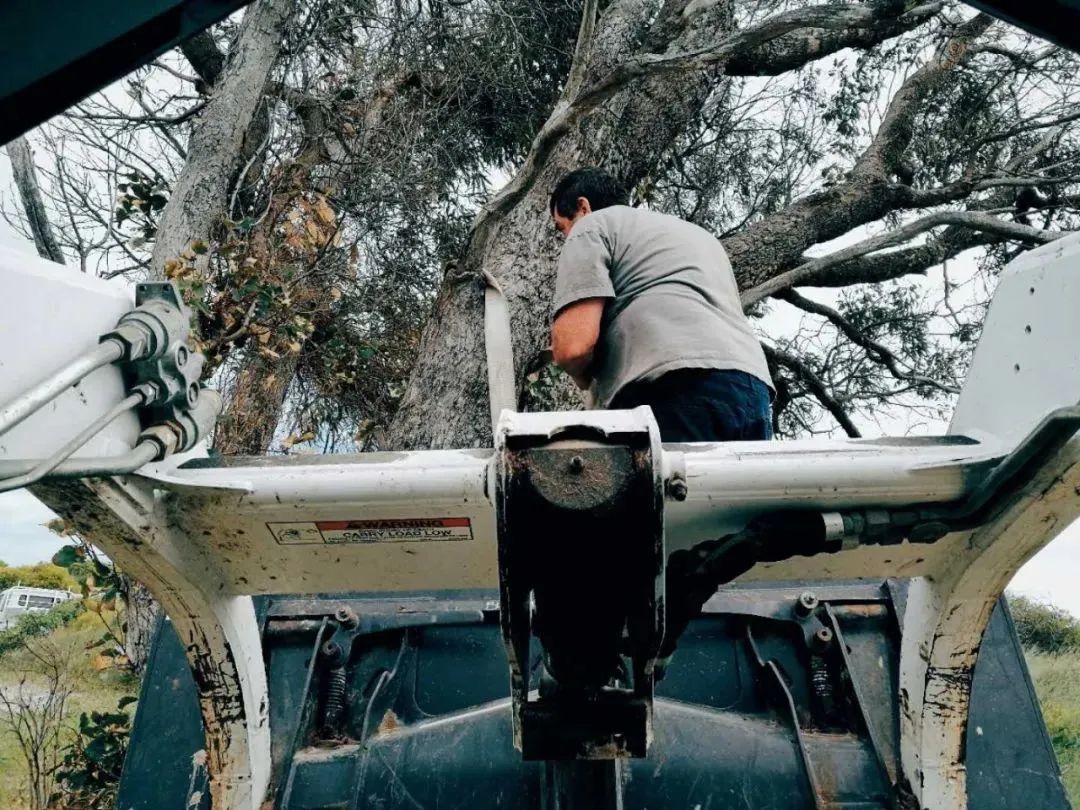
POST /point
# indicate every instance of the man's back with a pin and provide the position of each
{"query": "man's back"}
(674, 303)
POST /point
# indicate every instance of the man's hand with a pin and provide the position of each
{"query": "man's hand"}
(573, 338)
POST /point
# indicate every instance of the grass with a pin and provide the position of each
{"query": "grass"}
(93, 691)
(1057, 683)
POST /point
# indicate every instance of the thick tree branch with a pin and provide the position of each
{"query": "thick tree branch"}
(794, 50)
(22, 167)
(875, 350)
(898, 263)
(815, 385)
(216, 147)
(968, 219)
(205, 57)
(1024, 60)
(894, 133)
(825, 17)
(776, 241)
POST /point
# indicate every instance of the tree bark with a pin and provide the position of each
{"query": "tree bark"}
(22, 167)
(140, 618)
(205, 57)
(198, 197)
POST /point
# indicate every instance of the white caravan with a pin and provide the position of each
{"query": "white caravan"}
(18, 601)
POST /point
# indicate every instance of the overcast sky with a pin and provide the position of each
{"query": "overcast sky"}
(1050, 576)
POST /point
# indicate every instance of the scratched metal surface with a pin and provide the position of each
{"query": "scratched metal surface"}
(437, 733)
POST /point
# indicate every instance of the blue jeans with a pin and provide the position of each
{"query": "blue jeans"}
(703, 405)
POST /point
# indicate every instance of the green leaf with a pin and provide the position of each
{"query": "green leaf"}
(96, 751)
(66, 556)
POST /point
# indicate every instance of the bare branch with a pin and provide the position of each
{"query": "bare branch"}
(163, 128)
(815, 385)
(22, 166)
(1026, 127)
(150, 118)
(876, 351)
(582, 50)
(162, 65)
(968, 219)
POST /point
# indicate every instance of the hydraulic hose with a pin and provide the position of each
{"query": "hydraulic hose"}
(55, 384)
(143, 453)
(49, 464)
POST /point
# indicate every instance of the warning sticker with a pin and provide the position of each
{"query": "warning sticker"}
(386, 530)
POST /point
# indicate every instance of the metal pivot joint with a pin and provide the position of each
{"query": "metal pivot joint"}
(155, 340)
(580, 516)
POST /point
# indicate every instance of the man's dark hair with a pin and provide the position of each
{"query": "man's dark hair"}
(592, 183)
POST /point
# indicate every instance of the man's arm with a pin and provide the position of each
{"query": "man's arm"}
(574, 335)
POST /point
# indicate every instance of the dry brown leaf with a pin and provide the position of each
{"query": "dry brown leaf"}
(324, 212)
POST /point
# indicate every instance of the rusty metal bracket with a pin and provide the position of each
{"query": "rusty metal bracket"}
(775, 685)
(579, 504)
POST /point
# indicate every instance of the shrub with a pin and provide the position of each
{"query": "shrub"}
(89, 774)
(39, 575)
(1044, 627)
(34, 625)
(34, 711)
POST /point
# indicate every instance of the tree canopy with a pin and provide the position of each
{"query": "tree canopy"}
(329, 183)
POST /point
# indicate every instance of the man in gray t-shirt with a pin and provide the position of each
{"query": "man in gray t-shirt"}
(647, 312)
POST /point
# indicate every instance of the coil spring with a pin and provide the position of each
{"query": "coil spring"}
(822, 685)
(335, 700)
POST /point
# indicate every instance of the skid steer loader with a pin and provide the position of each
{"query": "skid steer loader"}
(579, 616)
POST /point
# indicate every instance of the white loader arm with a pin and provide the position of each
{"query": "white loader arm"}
(206, 534)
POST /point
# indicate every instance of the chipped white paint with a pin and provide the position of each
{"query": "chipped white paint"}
(240, 517)
(1026, 364)
(219, 631)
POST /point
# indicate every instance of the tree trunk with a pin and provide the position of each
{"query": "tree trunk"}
(198, 198)
(22, 167)
(140, 617)
(258, 395)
